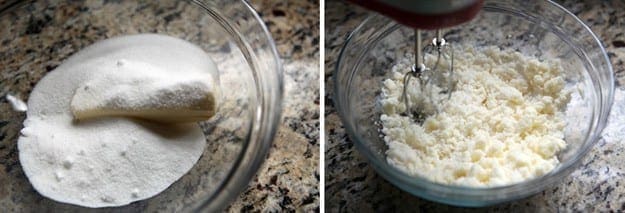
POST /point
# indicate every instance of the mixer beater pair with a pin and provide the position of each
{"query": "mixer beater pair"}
(435, 81)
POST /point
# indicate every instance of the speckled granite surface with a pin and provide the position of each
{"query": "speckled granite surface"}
(32, 45)
(289, 178)
(352, 185)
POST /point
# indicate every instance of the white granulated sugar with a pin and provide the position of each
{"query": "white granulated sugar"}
(112, 161)
(16, 103)
(503, 124)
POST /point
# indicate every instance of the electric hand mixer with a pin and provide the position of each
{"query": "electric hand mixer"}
(428, 15)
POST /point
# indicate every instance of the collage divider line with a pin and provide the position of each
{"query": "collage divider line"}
(322, 106)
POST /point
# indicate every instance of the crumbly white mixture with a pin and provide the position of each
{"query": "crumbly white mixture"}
(503, 124)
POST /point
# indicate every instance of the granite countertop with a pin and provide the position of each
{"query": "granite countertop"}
(35, 43)
(289, 178)
(352, 185)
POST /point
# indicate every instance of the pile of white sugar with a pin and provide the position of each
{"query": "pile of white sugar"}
(504, 123)
(115, 160)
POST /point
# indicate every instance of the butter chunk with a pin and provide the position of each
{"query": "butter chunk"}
(143, 91)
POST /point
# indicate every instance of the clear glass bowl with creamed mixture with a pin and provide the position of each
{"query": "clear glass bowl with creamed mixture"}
(536, 29)
(37, 36)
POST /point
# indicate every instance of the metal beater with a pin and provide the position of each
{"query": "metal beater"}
(435, 82)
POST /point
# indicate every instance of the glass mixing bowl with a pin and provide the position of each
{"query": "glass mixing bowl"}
(541, 29)
(38, 35)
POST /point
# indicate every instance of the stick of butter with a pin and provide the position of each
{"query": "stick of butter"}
(140, 90)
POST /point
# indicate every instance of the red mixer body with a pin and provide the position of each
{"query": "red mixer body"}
(423, 20)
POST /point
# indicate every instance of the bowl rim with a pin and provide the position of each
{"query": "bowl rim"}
(424, 188)
(266, 120)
